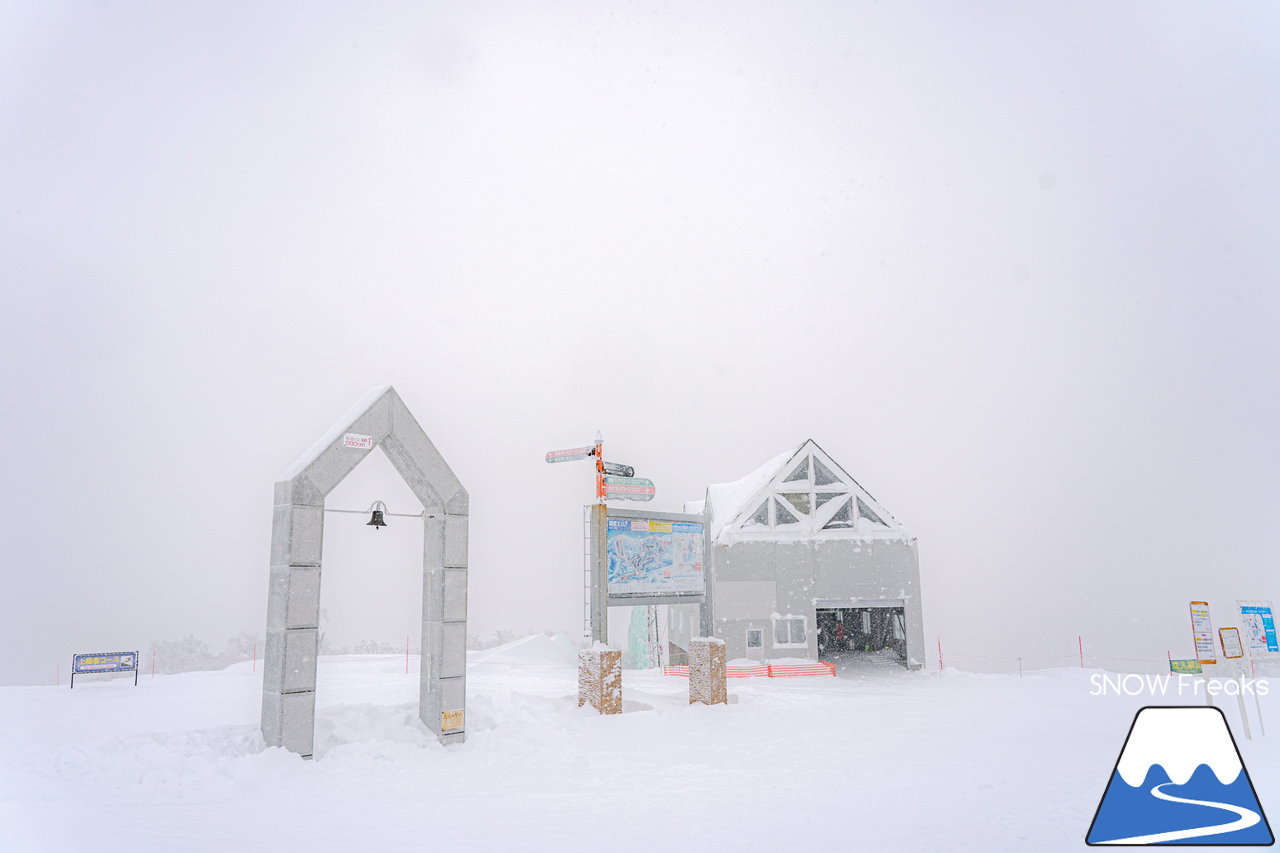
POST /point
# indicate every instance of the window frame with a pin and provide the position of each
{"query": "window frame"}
(789, 619)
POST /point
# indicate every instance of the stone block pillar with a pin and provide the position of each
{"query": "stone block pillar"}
(443, 686)
(293, 618)
(707, 671)
(600, 678)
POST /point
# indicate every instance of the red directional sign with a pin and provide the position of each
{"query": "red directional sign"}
(571, 454)
(629, 488)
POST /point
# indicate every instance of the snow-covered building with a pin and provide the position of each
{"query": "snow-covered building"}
(805, 563)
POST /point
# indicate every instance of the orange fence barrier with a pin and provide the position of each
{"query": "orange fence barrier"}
(789, 670)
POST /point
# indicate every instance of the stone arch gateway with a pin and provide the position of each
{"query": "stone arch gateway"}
(378, 419)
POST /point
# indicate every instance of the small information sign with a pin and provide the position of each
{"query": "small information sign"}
(99, 662)
(361, 442)
(1202, 630)
(1232, 648)
(451, 720)
(1186, 667)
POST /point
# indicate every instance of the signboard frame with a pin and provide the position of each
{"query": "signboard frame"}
(1223, 633)
(98, 663)
(1260, 636)
(624, 599)
(1202, 633)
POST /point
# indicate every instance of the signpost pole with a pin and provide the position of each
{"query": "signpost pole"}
(1244, 715)
(599, 553)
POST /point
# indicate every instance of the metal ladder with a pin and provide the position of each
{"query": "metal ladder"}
(586, 573)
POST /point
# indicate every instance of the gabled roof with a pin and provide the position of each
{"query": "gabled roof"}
(378, 419)
(801, 494)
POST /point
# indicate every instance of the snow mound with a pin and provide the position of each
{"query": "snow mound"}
(534, 650)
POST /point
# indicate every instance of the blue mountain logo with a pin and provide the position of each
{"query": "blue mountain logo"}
(1180, 780)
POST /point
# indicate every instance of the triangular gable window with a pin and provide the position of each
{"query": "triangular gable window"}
(814, 494)
(801, 473)
(782, 514)
(822, 476)
(799, 500)
(760, 516)
(866, 512)
(843, 519)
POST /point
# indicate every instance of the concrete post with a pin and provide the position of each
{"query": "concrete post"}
(442, 688)
(600, 679)
(293, 620)
(599, 573)
(707, 671)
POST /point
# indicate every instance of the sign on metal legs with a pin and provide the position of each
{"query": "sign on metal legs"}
(100, 662)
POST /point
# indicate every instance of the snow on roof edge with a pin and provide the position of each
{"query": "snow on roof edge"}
(337, 428)
(726, 500)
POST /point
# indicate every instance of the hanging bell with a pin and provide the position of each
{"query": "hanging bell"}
(376, 521)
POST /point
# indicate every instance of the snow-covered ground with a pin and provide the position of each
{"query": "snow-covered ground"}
(879, 756)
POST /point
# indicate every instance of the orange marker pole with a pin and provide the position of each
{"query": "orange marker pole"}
(599, 468)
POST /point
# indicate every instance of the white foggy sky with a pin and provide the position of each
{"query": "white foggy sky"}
(1013, 266)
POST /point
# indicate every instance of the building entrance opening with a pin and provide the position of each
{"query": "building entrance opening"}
(860, 637)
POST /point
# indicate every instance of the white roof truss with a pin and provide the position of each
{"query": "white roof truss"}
(811, 495)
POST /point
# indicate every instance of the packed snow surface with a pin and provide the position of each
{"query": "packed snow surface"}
(882, 758)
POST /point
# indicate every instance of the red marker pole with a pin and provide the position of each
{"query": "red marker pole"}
(153, 663)
(1080, 640)
(939, 654)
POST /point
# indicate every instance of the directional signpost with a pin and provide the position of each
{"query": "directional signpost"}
(629, 488)
(614, 481)
(570, 455)
(615, 469)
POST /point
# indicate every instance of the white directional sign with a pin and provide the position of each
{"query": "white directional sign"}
(570, 455)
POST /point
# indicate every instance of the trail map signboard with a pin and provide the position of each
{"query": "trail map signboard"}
(1202, 630)
(1259, 627)
(651, 557)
